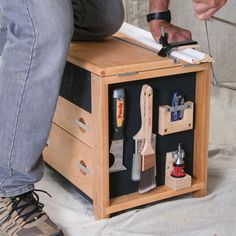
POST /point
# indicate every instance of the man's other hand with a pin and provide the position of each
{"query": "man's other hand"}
(204, 9)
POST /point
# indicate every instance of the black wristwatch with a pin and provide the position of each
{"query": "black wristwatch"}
(163, 15)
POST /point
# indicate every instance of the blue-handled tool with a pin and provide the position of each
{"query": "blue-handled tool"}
(176, 102)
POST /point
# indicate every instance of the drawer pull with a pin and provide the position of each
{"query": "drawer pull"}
(83, 168)
(81, 123)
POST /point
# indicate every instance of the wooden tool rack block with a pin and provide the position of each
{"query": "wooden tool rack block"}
(78, 145)
(166, 126)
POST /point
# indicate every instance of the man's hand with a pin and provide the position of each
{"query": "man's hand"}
(204, 9)
(174, 33)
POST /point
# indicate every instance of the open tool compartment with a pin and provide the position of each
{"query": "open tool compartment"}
(195, 85)
(163, 89)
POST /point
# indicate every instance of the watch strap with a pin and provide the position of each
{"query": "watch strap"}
(163, 15)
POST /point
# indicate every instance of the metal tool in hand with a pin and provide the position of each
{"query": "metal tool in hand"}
(168, 47)
(233, 24)
(214, 18)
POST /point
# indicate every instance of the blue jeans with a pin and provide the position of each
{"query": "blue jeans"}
(34, 40)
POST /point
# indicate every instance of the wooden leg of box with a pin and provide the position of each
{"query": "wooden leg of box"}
(101, 199)
(100, 213)
(203, 85)
(199, 193)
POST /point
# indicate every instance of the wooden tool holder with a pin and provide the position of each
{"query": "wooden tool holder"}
(166, 126)
(78, 146)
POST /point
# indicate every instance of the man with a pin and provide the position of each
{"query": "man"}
(34, 40)
(203, 9)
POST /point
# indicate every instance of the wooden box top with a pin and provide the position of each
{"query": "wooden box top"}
(116, 55)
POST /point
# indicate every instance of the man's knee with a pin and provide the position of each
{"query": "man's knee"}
(111, 23)
(97, 23)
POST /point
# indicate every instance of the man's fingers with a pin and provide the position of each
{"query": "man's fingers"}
(176, 38)
(206, 15)
(187, 34)
(179, 36)
(175, 33)
(200, 8)
(204, 9)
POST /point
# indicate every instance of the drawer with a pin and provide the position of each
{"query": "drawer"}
(74, 120)
(71, 158)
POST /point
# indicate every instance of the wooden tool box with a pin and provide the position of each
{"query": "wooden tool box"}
(78, 145)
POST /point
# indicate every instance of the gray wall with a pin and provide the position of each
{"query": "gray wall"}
(222, 36)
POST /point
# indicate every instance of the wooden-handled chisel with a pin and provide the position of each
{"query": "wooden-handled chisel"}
(116, 149)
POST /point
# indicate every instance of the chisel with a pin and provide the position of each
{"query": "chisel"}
(117, 142)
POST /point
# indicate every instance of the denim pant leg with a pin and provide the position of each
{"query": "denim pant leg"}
(31, 67)
(96, 19)
(3, 33)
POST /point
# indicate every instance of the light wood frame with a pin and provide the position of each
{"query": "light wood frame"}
(103, 205)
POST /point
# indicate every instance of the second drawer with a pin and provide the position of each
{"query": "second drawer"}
(71, 158)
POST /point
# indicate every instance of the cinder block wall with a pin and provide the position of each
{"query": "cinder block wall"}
(136, 11)
(222, 37)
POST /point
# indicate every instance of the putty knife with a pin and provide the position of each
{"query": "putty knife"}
(116, 149)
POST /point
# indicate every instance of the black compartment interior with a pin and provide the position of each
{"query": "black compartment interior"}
(76, 86)
(163, 89)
